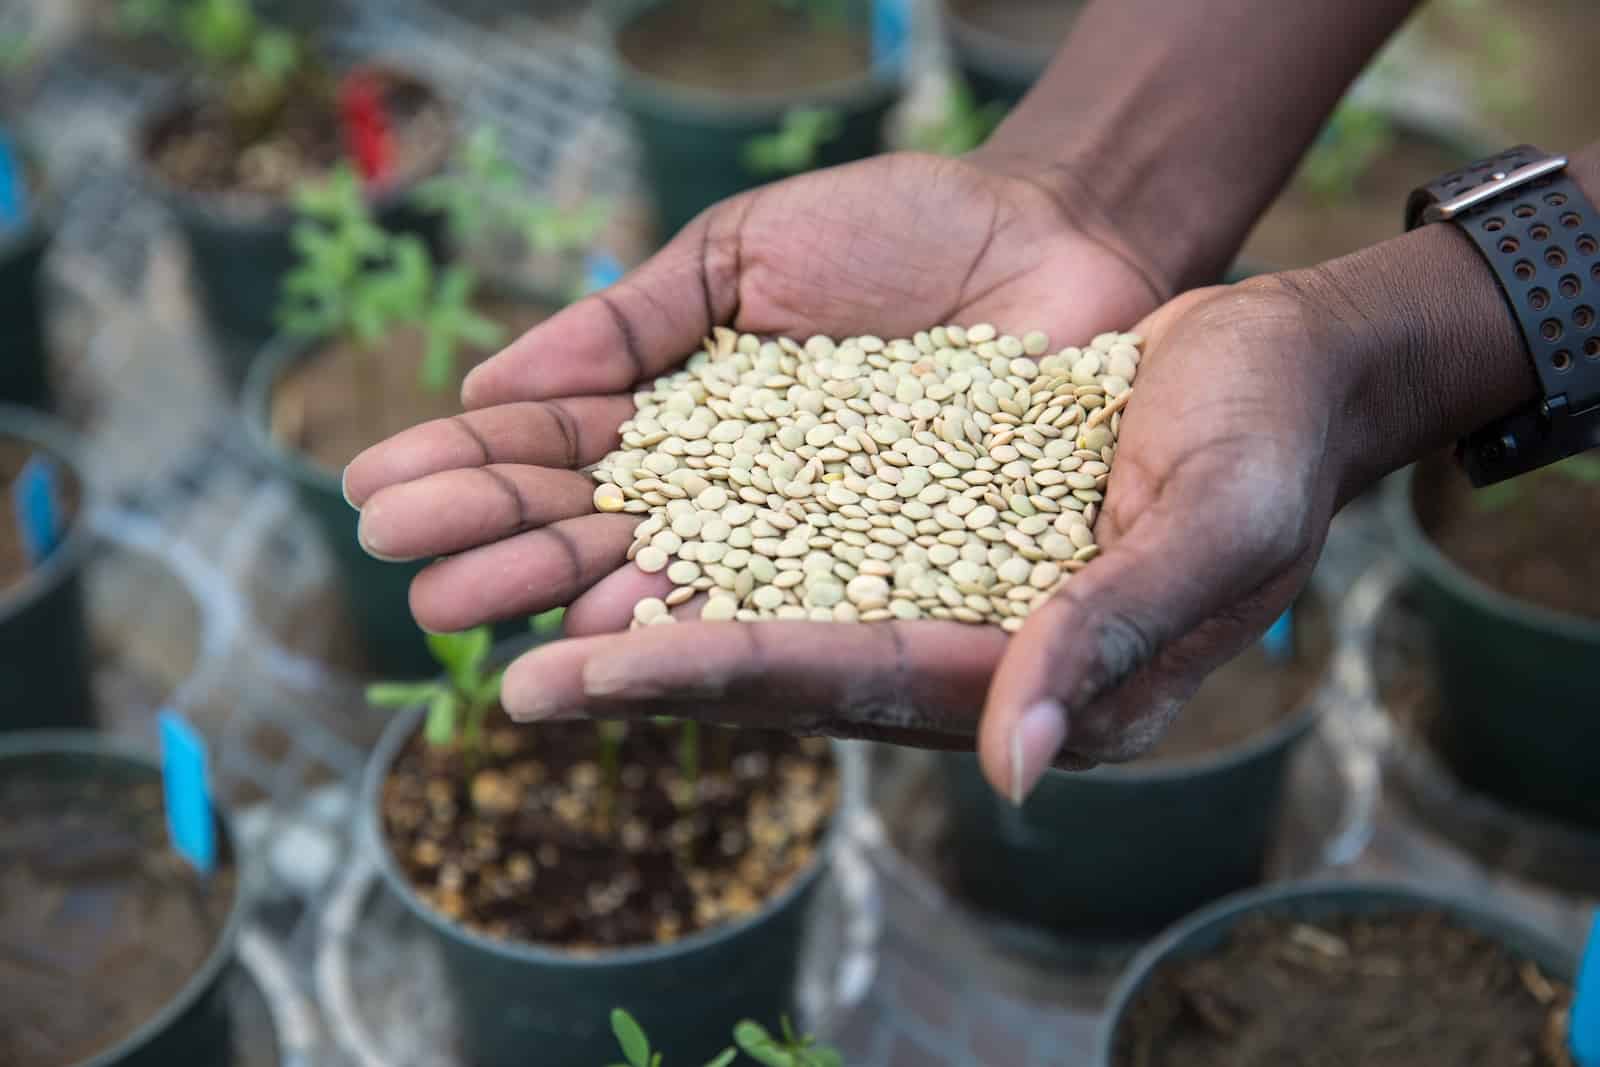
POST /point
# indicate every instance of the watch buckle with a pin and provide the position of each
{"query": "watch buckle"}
(1499, 183)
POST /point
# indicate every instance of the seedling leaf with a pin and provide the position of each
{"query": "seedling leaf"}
(761, 1046)
(635, 1046)
(462, 655)
(401, 694)
(441, 725)
(727, 1056)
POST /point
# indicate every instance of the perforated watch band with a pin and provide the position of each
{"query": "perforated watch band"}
(1541, 237)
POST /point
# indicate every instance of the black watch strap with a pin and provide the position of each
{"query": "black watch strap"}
(1541, 237)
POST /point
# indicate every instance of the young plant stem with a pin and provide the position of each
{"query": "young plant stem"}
(610, 735)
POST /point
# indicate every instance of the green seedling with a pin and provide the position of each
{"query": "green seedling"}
(1354, 139)
(485, 196)
(457, 704)
(1581, 470)
(610, 736)
(548, 624)
(796, 145)
(749, 1037)
(356, 280)
(964, 126)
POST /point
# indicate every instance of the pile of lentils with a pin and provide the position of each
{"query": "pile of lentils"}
(956, 475)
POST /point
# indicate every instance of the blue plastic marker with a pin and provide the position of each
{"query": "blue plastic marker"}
(891, 27)
(1279, 639)
(1584, 1030)
(188, 792)
(13, 187)
(36, 501)
(600, 271)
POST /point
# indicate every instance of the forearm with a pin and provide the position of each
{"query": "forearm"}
(1431, 348)
(1179, 122)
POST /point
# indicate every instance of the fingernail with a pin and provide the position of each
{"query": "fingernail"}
(344, 488)
(539, 711)
(1035, 741)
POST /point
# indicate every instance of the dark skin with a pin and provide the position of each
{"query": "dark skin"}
(1259, 409)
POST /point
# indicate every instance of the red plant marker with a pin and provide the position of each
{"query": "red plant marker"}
(366, 127)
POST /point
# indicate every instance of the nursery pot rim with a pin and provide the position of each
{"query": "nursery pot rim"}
(44, 431)
(1284, 732)
(1424, 556)
(705, 106)
(94, 743)
(1492, 920)
(274, 213)
(395, 737)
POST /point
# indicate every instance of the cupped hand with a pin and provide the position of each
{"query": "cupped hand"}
(1213, 516)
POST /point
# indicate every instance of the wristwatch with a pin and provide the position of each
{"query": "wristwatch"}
(1541, 237)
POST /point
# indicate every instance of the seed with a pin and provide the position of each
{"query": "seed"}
(648, 610)
(683, 572)
(719, 609)
(608, 498)
(1036, 343)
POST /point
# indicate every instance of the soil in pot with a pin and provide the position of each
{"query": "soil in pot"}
(1404, 990)
(1531, 539)
(101, 923)
(530, 843)
(1034, 24)
(760, 47)
(344, 399)
(200, 148)
(1250, 695)
(14, 562)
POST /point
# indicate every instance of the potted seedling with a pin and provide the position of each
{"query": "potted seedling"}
(1505, 580)
(1343, 973)
(1187, 824)
(115, 944)
(729, 96)
(1001, 47)
(267, 117)
(44, 545)
(786, 1049)
(377, 335)
(569, 867)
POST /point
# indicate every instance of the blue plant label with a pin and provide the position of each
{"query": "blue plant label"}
(1279, 639)
(891, 30)
(1585, 1027)
(184, 775)
(600, 271)
(36, 501)
(13, 186)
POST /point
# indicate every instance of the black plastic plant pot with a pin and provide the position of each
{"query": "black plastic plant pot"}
(24, 352)
(694, 140)
(193, 1026)
(1517, 682)
(45, 654)
(238, 255)
(1206, 932)
(996, 68)
(520, 1003)
(377, 592)
(1112, 855)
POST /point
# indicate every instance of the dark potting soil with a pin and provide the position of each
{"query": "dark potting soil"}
(1531, 539)
(101, 923)
(1251, 694)
(200, 148)
(742, 47)
(14, 563)
(335, 404)
(1034, 24)
(1405, 990)
(531, 845)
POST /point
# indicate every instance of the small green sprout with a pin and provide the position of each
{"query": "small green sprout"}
(457, 704)
(964, 126)
(750, 1037)
(795, 146)
(256, 64)
(357, 280)
(485, 194)
(548, 624)
(1582, 470)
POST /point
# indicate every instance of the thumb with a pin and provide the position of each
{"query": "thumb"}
(1194, 553)
(639, 328)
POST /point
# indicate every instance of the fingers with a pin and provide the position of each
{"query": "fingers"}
(1178, 566)
(558, 433)
(919, 683)
(608, 607)
(522, 575)
(456, 510)
(635, 330)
